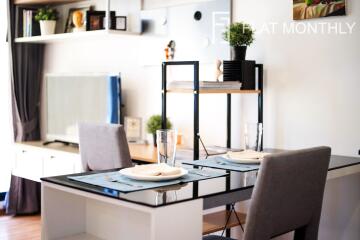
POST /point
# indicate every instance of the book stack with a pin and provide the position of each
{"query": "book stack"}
(26, 24)
(233, 85)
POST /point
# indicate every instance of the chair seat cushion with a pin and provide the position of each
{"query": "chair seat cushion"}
(213, 237)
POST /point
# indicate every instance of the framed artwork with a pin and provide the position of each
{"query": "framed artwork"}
(95, 20)
(132, 127)
(307, 9)
(120, 23)
(69, 25)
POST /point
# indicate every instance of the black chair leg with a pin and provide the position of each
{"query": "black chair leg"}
(237, 217)
(232, 209)
(226, 223)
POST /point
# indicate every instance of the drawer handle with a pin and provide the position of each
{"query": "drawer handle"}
(23, 151)
(52, 157)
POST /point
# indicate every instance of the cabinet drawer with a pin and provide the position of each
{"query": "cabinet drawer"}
(59, 164)
(34, 161)
(28, 164)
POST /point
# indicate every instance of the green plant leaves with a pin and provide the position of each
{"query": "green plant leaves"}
(47, 13)
(154, 123)
(239, 34)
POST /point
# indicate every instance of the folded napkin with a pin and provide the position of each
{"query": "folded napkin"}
(247, 154)
(161, 169)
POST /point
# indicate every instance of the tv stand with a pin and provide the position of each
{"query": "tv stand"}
(60, 141)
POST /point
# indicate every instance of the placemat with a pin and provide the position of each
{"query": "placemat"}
(116, 181)
(220, 163)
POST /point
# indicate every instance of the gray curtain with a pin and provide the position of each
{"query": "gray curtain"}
(26, 75)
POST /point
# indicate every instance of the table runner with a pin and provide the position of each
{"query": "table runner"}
(116, 181)
(220, 163)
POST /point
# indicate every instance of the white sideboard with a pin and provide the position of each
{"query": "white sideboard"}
(34, 161)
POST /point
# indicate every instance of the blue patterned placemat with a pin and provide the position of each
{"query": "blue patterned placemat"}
(220, 163)
(116, 181)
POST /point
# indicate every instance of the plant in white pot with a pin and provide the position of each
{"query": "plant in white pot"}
(239, 35)
(47, 18)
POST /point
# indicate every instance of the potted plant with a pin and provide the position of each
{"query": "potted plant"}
(239, 35)
(154, 123)
(47, 17)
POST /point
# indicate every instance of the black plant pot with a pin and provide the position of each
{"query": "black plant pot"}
(238, 53)
(154, 139)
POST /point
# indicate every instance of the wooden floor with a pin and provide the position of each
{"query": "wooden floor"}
(20, 228)
(29, 227)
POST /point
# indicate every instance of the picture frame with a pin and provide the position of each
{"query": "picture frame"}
(305, 9)
(133, 128)
(69, 25)
(95, 20)
(121, 23)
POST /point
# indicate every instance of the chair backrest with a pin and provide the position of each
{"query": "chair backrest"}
(288, 195)
(103, 146)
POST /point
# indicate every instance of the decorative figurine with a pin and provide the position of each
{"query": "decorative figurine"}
(170, 51)
(78, 21)
(219, 72)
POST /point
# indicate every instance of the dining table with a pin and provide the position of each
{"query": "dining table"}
(78, 210)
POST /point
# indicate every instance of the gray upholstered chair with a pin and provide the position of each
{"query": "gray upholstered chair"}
(103, 146)
(288, 195)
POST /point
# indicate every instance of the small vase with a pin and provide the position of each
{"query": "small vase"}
(47, 27)
(155, 139)
(238, 53)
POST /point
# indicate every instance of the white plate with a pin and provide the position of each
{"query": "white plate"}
(128, 173)
(242, 160)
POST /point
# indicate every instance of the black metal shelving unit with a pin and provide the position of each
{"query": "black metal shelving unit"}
(196, 91)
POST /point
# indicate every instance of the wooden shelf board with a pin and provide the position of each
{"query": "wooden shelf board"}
(215, 222)
(72, 36)
(44, 2)
(214, 91)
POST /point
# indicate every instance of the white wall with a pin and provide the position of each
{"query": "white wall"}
(141, 84)
(312, 80)
(5, 107)
(141, 80)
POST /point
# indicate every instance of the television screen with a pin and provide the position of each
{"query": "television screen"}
(72, 99)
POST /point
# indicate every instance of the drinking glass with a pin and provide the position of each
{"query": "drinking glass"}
(165, 197)
(166, 146)
(253, 136)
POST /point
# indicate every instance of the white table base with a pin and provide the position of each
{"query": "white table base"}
(73, 214)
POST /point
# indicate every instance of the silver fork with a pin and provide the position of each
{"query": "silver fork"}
(233, 165)
(199, 174)
(110, 179)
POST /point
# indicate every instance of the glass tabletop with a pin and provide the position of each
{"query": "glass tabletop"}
(236, 181)
(164, 195)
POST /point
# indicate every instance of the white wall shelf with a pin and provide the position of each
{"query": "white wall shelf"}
(73, 36)
(44, 2)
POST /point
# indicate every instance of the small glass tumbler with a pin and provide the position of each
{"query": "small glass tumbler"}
(166, 146)
(253, 136)
(165, 197)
